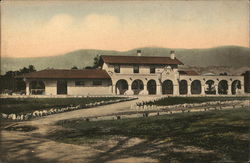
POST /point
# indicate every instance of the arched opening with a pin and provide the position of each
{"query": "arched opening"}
(210, 87)
(223, 87)
(235, 86)
(167, 87)
(183, 87)
(137, 86)
(37, 87)
(196, 87)
(121, 87)
(151, 86)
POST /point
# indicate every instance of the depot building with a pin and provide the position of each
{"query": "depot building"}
(132, 75)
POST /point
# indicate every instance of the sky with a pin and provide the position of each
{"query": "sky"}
(47, 28)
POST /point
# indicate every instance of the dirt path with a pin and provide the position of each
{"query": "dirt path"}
(47, 123)
(33, 147)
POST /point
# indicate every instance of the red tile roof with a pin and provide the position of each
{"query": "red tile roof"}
(67, 74)
(188, 72)
(140, 60)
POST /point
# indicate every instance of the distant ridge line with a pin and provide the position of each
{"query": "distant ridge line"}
(229, 56)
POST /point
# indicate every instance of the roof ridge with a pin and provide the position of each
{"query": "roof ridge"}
(68, 73)
(70, 69)
(140, 59)
(131, 56)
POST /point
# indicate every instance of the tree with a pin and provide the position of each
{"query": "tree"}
(96, 61)
(74, 68)
(24, 70)
(12, 83)
(9, 74)
(88, 67)
(223, 74)
(31, 68)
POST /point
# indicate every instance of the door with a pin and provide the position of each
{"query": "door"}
(61, 87)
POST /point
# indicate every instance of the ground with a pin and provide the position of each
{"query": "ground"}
(33, 146)
(219, 135)
(38, 146)
(25, 105)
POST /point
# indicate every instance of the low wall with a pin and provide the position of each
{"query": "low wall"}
(41, 113)
(147, 111)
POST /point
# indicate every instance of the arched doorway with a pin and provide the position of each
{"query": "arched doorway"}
(210, 87)
(37, 87)
(121, 87)
(196, 87)
(235, 86)
(137, 86)
(151, 86)
(223, 87)
(183, 87)
(167, 87)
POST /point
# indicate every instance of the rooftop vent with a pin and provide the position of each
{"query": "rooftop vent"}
(138, 52)
(172, 54)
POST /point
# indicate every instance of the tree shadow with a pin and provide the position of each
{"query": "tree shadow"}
(21, 150)
(154, 149)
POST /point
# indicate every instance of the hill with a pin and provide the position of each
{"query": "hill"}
(224, 56)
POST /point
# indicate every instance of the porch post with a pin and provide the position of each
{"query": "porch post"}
(216, 89)
(176, 90)
(27, 88)
(145, 90)
(189, 90)
(129, 91)
(158, 89)
(113, 89)
(202, 89)
(229, 90)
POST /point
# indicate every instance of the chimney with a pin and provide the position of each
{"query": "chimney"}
(172, 54)
(138, 52)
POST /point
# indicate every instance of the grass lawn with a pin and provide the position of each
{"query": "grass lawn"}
(25, 105)
(183, 100)
(225, 133)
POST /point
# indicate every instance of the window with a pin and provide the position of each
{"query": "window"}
(117, 69)
(152, 69)
(79, 83)
(97, 82)
(136, 69)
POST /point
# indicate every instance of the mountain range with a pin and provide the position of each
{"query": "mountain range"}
(223, 56)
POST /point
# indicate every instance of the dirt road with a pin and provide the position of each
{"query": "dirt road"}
(34, 147)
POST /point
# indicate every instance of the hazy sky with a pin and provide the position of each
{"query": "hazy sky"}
(32, 29)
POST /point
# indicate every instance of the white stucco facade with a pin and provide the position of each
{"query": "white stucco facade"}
(89, 89)
(167, 73)
(50, 87)
(140, 79)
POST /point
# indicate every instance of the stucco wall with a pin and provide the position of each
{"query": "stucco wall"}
(128, 69)
(89, 89)
(50, 87)
(126, 73)
(72, 89)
